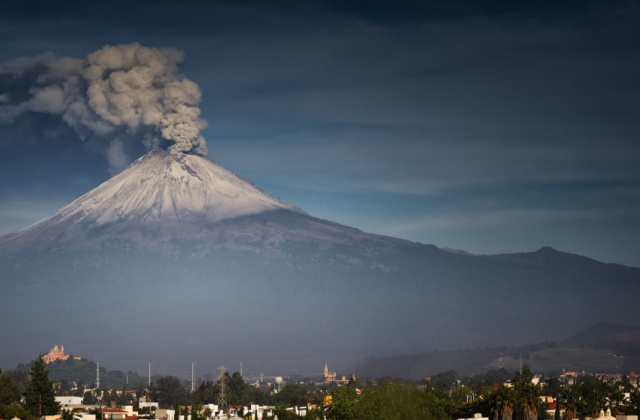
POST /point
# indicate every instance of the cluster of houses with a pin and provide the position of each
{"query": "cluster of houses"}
(81, 412)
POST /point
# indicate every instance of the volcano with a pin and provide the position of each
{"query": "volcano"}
(177, 260)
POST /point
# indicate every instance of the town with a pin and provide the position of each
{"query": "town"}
(495, 394)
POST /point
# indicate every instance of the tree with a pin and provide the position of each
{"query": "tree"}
(176, 410)
(343, 405)
(196, 409)
(207, 413)
(8, 391)
(235, 389)
(528, 403)
(502, 403)
(443, 382)
(169, 389)
(591, 403)
(390, 401)
(315, 414)
(67, 415)
(616, 401)
(570, 400)
(553, 386)
(634, 402)
(89, 398)
(39, 393)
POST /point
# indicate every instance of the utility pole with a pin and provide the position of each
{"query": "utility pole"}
(520, 366)
(222, 397)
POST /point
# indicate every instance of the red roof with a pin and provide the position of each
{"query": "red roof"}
(552, 406)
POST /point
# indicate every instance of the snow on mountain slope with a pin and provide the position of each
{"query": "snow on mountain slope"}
(175, 193)
(160, 187)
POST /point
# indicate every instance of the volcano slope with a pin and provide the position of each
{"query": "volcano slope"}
(177, 260)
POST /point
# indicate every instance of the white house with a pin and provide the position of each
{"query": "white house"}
(67, 400)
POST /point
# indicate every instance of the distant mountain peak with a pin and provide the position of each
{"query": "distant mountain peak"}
(546, 249)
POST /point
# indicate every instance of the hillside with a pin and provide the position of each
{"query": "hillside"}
(594, 350)
(603, 332)
(84, 372)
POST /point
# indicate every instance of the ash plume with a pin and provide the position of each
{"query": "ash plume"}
(124, 93)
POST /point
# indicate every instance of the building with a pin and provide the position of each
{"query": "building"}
(328, 376)
(551, 410)
(114, 413)
(55, 354)
(69, 401)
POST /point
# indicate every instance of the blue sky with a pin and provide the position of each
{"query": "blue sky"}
(492, 128)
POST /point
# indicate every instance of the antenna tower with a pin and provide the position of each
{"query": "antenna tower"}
(192, 386)
(149, 374)
(97, 375)
(222, 396)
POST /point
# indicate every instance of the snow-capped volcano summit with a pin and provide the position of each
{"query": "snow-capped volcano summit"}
(161, 187)
(159, 193)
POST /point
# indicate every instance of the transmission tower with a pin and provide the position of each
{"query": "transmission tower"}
(97, 375)
(222, 396)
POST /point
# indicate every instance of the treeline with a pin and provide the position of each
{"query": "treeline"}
(83, 373)
(444, 398)
(169, 390)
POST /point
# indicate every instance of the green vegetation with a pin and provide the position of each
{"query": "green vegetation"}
(237, 392)
(39, 393)
(388, 401)
(83, 373)
(10, 400)
(448, 397)
(445, 396)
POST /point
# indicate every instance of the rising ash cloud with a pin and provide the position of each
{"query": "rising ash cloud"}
(123, 95)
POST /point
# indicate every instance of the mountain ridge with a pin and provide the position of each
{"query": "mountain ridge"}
(309, 291)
